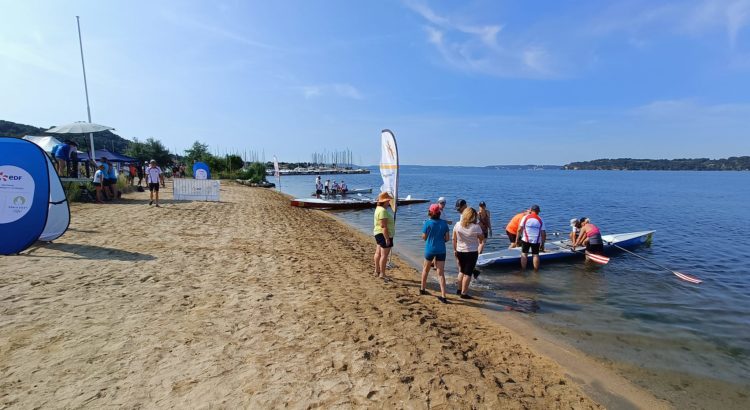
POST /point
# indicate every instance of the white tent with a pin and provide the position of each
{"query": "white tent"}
(58, 217)
(46, 143)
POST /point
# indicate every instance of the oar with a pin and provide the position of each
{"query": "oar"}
(685, 277)
(600, 259)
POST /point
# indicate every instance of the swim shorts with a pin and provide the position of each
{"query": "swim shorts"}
(436, 256)
(534, 248)
(380, 239)
(467, 261)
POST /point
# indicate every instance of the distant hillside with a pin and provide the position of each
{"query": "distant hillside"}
(686, 164)
(524, 167)
(105, 139)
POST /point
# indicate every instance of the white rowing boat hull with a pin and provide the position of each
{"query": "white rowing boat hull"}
(560, 250)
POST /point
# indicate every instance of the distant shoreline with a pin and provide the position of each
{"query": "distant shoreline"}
(691, 164)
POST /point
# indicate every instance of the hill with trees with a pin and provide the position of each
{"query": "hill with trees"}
(104, 139)
(685, 164)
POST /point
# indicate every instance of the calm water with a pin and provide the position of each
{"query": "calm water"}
(666, 334)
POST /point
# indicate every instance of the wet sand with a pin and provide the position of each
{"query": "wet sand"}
(246, 303)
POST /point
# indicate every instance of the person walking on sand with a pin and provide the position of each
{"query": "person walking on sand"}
(153, 177)
(532, 236)
(435, 233)
(460, 208)
(484, 220)
(512, 228)
(590, 236)
(384, 229)
(468, 243)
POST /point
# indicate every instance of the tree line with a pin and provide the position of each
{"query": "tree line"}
(684, 164)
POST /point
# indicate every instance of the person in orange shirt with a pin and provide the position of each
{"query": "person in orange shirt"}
(512, 228)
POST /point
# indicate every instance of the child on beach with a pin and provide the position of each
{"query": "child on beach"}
(153, 177)
(98, 182)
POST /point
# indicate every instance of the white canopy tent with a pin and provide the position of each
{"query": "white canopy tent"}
(46, 143)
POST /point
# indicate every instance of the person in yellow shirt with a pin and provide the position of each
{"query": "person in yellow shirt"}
(383, 230)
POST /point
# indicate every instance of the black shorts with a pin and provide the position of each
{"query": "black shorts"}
(97, 184)
(318, 191)
(467, 261)
(596, 248)
(380, 239)
(534, 248)
(153, 187)
(511, 237)
(109, 182)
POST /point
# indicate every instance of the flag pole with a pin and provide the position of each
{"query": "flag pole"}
(86, 89)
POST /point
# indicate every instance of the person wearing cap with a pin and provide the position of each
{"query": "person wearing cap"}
(575, 227)
(589, 236)
(383, 230)
(485, 221)
(441, 203)
(468, 243)
(532, 236)
(153, 176)
(460, 208)
(435, 234)
(512, 228)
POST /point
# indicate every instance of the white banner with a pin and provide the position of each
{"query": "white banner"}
(389, 165)
(276, 167)
(196, 189)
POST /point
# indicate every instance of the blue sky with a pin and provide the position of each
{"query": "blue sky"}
(459, 83)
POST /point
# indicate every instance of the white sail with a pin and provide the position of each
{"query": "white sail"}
(389, 166)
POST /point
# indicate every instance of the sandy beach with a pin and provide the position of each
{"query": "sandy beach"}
(246, 303)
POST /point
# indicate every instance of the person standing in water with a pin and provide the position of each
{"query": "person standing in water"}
(383, 230)
(485, 221)
(435, 234)
(590, 236)
(532, 236)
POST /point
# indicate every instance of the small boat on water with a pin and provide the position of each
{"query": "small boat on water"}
(561, 250)
(348, 203)
(354, 191)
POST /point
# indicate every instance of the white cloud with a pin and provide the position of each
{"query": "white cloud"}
(336, 89)
(476, 48)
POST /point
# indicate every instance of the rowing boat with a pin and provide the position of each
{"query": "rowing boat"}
(561, 250)
(348, 203)
(354, 191)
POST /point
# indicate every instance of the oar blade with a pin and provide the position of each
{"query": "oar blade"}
(600, 259)
(687, 278)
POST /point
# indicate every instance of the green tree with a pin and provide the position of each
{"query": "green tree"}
(197, 153)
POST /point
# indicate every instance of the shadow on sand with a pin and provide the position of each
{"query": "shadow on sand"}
(91, 252)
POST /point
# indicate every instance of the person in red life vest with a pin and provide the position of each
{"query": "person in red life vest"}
(590, 236)
(512, 228)
(531, 235)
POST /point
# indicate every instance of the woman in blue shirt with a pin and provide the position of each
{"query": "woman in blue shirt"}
(435, 234)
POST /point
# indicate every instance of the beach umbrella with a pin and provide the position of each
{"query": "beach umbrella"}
(81, 127)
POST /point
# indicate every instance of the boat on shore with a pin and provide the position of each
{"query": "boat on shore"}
(561, 250)
(348, 203)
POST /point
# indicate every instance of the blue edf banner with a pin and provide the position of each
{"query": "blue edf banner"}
(24, 194)
(201, 171)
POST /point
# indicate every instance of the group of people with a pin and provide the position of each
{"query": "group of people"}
(329, 188)
(468, 237)
(105, 180)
